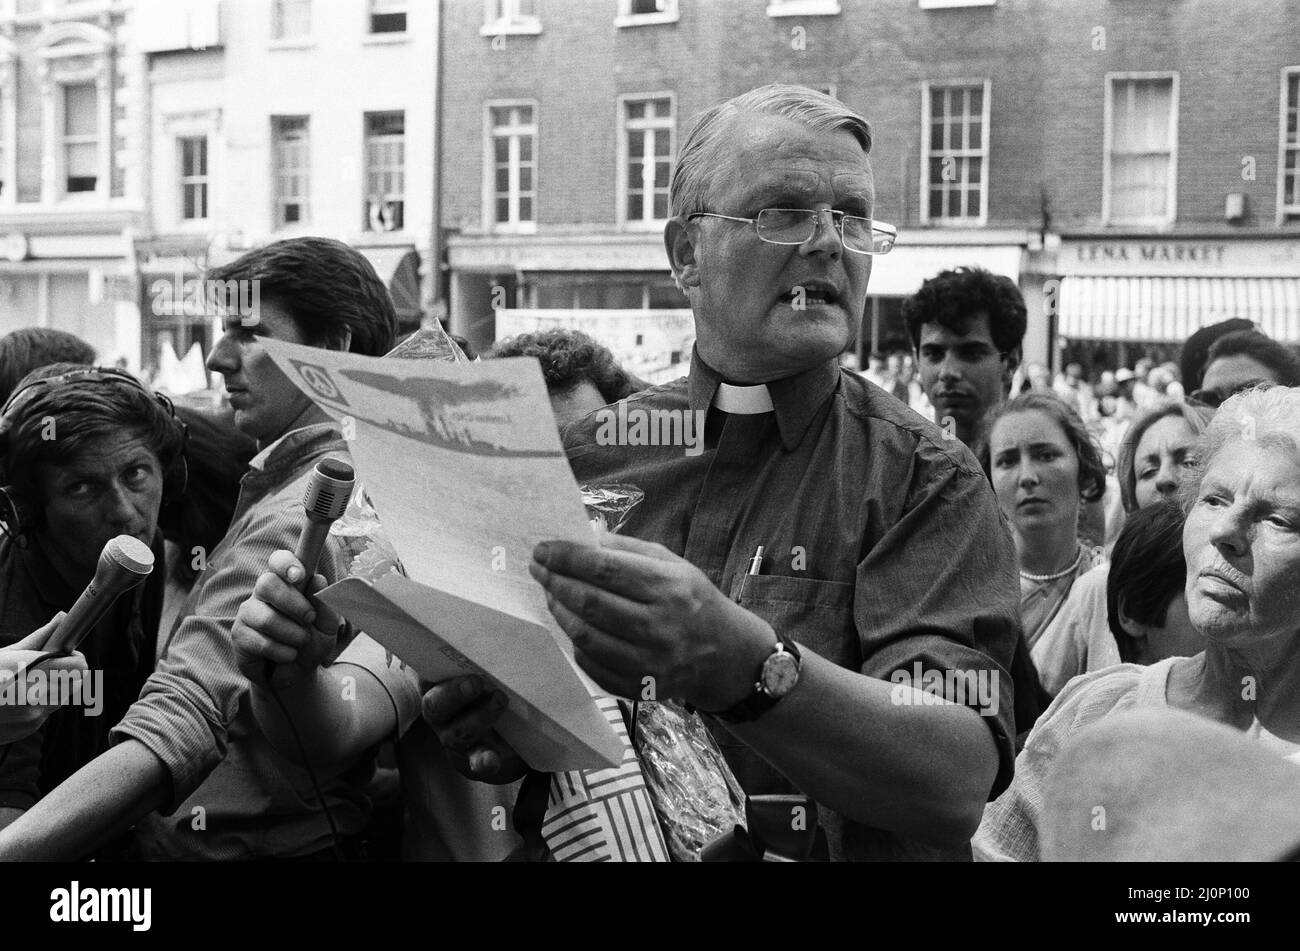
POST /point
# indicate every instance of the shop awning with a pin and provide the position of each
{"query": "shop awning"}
(902, 271)
(399, 269)
(1170, 309)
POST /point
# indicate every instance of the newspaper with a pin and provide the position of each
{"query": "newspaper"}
(464, 465)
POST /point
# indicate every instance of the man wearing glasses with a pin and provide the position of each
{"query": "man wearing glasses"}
(826, 532)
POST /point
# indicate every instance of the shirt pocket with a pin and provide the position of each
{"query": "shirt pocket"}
(812, 612)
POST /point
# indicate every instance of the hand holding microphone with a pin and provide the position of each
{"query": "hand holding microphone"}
(280, 623)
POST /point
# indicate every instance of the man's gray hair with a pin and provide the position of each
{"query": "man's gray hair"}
(1267, 414)
(698, 160)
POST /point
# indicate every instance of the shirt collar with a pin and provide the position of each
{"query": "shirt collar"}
(288, 451)
(795, 399)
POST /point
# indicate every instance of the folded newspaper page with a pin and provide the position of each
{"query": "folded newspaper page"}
(464, 465)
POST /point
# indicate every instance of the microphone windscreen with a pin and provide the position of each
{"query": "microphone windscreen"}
(329, 489)
(130, 553)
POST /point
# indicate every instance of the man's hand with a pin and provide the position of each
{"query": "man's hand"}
(19, 721)
(635, 610)
(461, 711)
(282, 629)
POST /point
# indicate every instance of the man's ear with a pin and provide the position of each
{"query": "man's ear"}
(341, 341)
(680, 245)
(1013, 361)
(1132, 628)
(1009, 371)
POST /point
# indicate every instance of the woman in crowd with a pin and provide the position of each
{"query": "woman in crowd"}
(1152, 458)
(1043, 466)
(88, 454)
(1241, 541)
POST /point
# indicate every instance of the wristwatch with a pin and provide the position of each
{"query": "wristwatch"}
(776, 678)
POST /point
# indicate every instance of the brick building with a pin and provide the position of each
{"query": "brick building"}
(1015, 134)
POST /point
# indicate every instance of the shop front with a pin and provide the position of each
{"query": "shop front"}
(1121, 299)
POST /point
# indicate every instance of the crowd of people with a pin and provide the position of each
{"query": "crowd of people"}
(949, 517)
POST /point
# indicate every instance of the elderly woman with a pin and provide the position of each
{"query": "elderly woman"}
(1043, 465)
(1241, 541)
(1153, 456)
(86, 454)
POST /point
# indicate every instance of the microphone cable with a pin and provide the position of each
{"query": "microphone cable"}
(337, 842)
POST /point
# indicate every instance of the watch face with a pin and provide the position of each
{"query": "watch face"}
(780, 672)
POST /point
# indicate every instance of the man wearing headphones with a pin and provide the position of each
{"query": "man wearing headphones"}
(88, 454)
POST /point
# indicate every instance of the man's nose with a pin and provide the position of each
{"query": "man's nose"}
(119, 506)
(222, 359)
(825, 236)
(949, 368)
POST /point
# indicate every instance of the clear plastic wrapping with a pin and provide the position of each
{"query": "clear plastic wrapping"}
(609, 504)
(694, 791)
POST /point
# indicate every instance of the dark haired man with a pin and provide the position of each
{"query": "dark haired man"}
(190, 745)
(967, 326)
(1243, 359)
(86, 455)
(581, 375)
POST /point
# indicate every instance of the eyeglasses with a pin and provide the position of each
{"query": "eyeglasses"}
(798, 225)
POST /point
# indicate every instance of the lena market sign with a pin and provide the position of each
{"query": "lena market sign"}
(1198, 258)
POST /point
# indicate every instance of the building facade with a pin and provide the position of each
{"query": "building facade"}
(71, 171)
(1010, 134)
(279, 119)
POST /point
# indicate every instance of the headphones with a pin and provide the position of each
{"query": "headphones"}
(18, 514)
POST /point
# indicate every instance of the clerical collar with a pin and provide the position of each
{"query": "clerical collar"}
(743, 400)
(797, 400)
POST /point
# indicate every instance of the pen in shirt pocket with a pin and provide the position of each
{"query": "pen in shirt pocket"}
(755, 568)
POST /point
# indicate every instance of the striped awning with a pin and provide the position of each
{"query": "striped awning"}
(1170, 309)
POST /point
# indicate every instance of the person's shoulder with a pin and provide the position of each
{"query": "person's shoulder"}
(892, 423)
(1090, 697)
(582, 432)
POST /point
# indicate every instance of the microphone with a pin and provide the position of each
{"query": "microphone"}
(124, 563)
(326, 498)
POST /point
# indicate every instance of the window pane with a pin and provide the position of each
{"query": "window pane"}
(525, 148)
(388, 23)
(525, 209)
(503, 180)
(661, 207)
(635, 143)
(501, 149)
(634, 205)
(503, 210)
(80, 110)
(661, 174)
(525, 178)
(661, 143)
(81, 159)
(636, 110)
